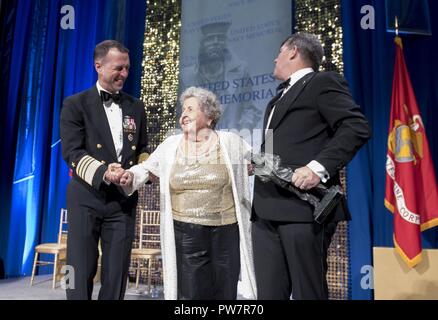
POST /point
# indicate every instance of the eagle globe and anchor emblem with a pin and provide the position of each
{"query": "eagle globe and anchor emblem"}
(406, 141)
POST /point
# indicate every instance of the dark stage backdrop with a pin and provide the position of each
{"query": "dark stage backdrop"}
(42, 64)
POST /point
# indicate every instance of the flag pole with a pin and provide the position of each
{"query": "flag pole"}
(397, 39)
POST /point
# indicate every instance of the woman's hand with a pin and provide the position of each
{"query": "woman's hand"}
(153, 178)
(250, 169)
(127, 179)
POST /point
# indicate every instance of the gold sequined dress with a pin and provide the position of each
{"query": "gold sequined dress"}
(201, 191)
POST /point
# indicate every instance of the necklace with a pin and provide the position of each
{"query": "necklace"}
(193, 151)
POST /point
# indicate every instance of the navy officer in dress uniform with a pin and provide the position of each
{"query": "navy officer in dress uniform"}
(103, 131)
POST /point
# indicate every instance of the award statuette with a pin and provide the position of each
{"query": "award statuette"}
(324, 200)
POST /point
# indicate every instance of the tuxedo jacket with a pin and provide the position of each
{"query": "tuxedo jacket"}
(88, 147)
(316, 119)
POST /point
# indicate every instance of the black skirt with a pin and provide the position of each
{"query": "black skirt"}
(208, 261)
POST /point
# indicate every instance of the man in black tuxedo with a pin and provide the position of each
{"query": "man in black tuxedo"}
(314, 125)
(102, 131)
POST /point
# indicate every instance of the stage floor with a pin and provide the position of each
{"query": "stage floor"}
(20, 289)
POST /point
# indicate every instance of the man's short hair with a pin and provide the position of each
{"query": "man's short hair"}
(102, 49)
(309, 47)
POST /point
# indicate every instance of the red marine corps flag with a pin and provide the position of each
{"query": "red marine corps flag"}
(411, 191)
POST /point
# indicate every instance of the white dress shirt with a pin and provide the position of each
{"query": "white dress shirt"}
(115, 117)
(313, 165)
(297, 75)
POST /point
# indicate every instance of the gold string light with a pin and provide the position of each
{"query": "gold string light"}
(159, 82)
(159, 92)
(323, 18)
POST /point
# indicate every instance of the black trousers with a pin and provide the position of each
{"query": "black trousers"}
(91, 219)
(208, 261)
(291, 259)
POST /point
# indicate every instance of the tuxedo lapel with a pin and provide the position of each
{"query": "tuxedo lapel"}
(285, 103)
(269, 109)
(101, 124)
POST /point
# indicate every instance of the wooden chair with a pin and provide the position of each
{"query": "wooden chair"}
(59, 250)
(98, 276)
(149, 244)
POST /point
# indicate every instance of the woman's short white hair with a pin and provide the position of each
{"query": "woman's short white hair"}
(209, 103)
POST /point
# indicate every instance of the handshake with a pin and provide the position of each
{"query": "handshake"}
(119, 176)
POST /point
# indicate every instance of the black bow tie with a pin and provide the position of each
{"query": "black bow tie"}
(106, 96)
(283, 85)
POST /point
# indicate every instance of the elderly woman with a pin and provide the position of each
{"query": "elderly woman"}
(205, 205)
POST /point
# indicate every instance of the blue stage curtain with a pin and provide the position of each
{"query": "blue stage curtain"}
(8, 10)
(49, 64)
(369, 63)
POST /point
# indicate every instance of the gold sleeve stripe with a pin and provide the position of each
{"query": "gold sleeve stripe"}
(83, 163)
(87, 168)
(143, 157)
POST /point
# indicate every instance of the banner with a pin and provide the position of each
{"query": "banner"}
(229, 47)
(411, 191)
